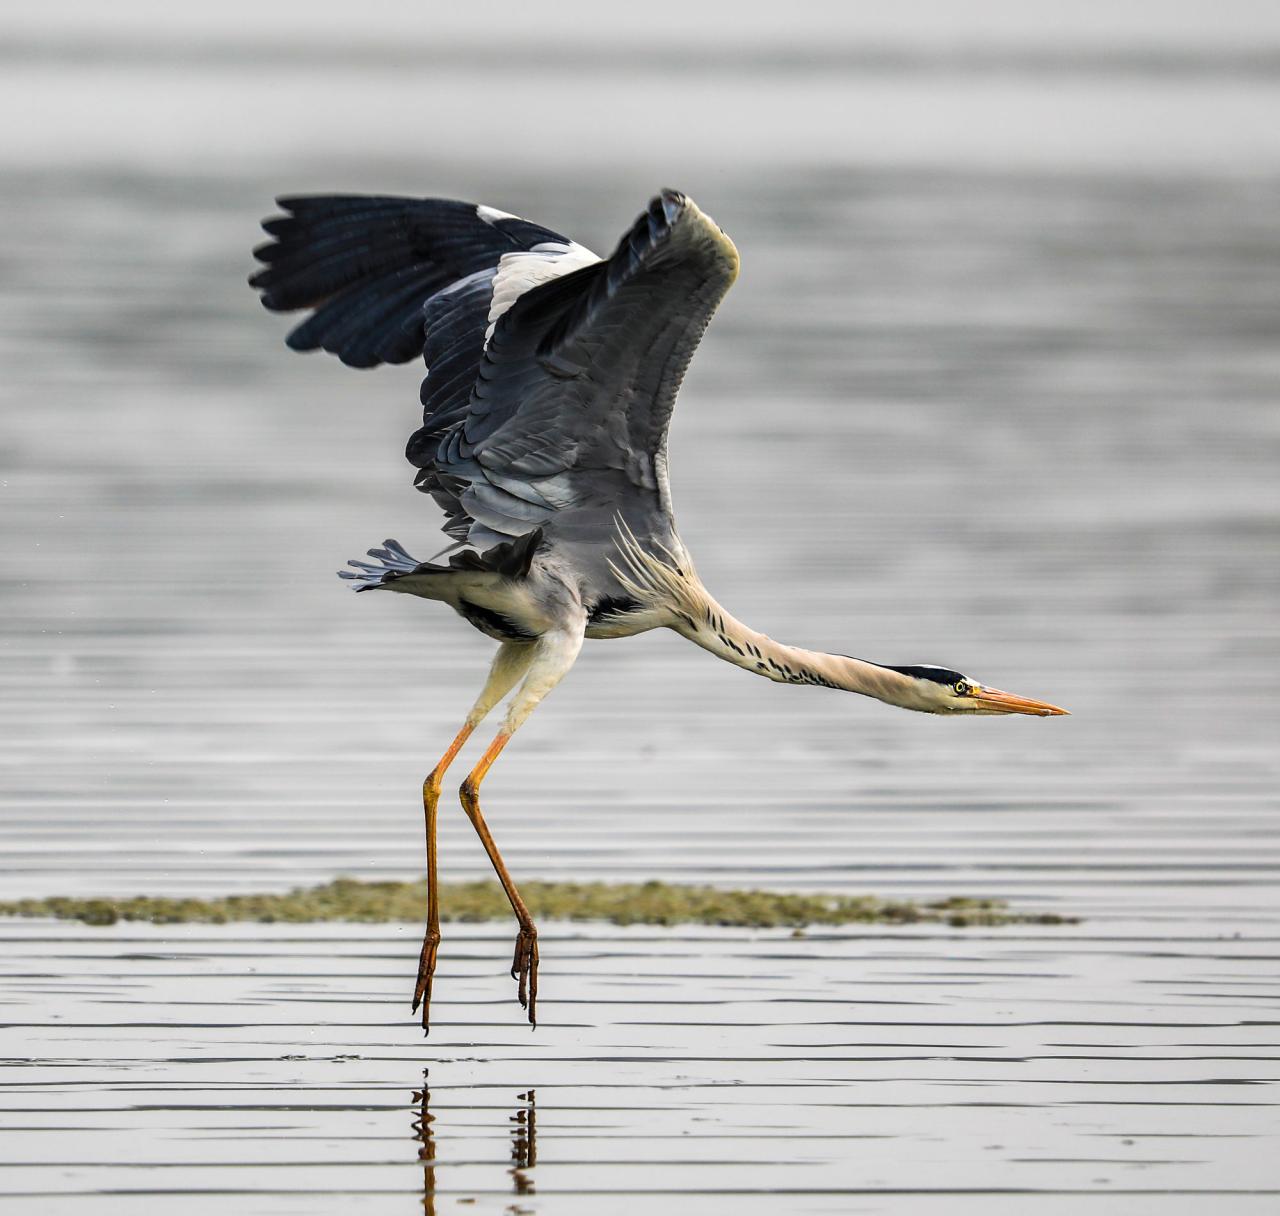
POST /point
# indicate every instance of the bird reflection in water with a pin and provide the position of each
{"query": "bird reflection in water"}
(524, 1147)
(524, 1144)
(426, 1144)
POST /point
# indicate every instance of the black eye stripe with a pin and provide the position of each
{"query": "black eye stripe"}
(936, 675)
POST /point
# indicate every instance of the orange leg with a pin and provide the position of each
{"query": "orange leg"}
(509, 665)
(524, 966)
(431, 940)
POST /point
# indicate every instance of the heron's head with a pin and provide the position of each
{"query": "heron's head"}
(939, 690)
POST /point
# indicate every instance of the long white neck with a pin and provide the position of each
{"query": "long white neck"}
(729, 639)
(671, 583)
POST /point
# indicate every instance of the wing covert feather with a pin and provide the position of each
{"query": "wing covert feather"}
(580, 375)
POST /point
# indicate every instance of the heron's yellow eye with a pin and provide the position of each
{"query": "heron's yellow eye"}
(962, 688)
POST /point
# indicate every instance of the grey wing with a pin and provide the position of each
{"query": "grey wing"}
(551, 373)
(391, 278)
(566, 426)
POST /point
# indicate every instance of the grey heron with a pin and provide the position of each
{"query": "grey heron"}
(551, 377)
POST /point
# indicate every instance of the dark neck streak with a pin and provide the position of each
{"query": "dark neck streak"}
(729, 639)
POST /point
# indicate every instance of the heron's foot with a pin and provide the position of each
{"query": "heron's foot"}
(524, 967)
(426, 972)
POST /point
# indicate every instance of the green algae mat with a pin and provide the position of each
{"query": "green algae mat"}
(650, 903)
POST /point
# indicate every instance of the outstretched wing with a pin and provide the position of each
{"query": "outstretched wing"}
(368, 264)
(551, 373)
(567, 421)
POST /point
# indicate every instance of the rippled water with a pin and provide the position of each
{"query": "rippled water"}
(1018, 422)
(1115, 1068)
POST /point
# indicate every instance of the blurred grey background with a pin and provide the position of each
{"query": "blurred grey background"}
(997, 389)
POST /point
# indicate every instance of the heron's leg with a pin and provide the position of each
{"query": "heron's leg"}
(527, 941)
(554, 655)
(431, 940)
(509, 664)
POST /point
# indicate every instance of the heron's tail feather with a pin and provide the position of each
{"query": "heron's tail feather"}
(393, 562)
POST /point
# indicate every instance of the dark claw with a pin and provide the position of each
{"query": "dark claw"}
(524, 967)
(426, 973)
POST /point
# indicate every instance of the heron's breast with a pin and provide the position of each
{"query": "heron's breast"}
(620, 616)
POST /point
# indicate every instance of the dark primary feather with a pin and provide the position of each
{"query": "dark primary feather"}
(367, 264)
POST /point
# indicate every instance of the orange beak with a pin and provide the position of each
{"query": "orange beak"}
(993, 701)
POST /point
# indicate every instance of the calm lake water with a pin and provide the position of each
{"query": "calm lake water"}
(1018, 417)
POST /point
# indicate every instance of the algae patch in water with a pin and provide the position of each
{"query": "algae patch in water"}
(650, 903)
